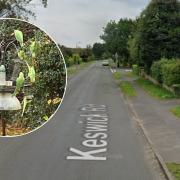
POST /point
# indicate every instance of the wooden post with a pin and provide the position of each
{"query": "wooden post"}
(3, 121)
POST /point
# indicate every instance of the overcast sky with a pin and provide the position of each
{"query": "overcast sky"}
(80, 22)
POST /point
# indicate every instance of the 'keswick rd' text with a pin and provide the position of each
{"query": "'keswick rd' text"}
(95, 119)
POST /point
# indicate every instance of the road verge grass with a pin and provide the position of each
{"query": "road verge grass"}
(72, 70)
(154, 90)
(117, 75)
(127, 89)
(176, 111)
(130, 74)
(174, 169)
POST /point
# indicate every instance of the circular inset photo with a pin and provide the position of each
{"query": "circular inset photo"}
(32, 77)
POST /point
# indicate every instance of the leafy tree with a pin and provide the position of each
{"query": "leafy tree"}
(85, 53)
(158, 33)
(98, 50)
(116, 37)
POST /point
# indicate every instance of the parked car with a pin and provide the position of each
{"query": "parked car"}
(105, 63)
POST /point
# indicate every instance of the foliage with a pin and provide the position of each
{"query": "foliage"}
(117, 75)
(174, 169)
(112, 64)
(76, 59)
(171, 73)
(156, 69)
(91, 58)
(44, 66)
(158, 33)
(77, 55)
(176, 111)
(85, 53)
(127, 89)
(155, 90)
(17, 8)
(135, 68)
(98, 50)
(116, 37)
(159, 70)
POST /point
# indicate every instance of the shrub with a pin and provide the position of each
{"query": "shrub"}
(77, 59)
(112, 64)
(91, 58)
(70, 61)
(135, 68)
(156, 69)
(171, 73)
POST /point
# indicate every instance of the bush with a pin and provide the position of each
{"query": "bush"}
(156, 69)
(70, 61)
(112, 64)
(171, 73)
(77, 59)
(135, 68)
(90, 58)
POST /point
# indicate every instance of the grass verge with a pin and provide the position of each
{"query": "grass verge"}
(155, 90)
(130, 74)
(174, 169)
(127, 89)
(117, 75)
(176, 111)
(72, 70)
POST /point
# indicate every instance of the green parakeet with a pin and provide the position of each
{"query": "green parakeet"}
(22, 55)
(19, 83)
(32, 49)
(19, 36)
(25, 103)
(32, 74)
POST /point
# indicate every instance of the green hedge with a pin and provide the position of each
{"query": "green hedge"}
(136, 69)
(166, 71)
(156, 69)
(171, 73)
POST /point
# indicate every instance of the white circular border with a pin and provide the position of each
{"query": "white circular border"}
(65, 88)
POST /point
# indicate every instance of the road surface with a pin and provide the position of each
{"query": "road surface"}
(91, 137)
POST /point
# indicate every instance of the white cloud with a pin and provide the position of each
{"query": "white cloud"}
(71, 21)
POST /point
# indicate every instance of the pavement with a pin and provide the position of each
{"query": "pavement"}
(162, 126)
(91, 137)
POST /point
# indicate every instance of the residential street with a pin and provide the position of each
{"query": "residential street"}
(162, 126)
(91, 137)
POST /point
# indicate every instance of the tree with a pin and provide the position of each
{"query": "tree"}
(98, 50)
(158, 32)
(116, 37)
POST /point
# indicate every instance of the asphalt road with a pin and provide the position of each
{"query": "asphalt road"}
(91, 137)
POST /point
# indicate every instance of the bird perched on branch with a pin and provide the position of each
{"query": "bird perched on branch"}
(19, 83)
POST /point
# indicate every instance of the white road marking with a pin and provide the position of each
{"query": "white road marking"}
(87, 155)
(96, 127)
(112, 70)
